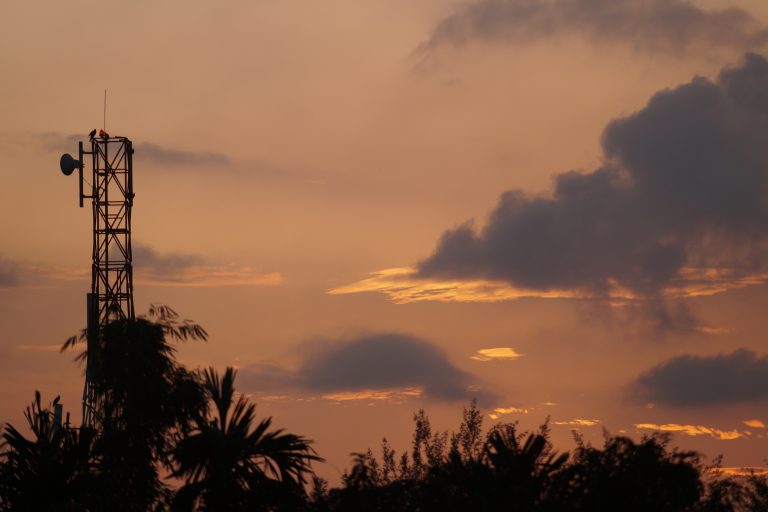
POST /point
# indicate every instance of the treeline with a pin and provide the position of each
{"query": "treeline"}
(169, 439)
(512, 470)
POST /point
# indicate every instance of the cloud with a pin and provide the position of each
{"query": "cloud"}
(51, 347)
(678, 208)
(693, 430)
(578, 422)
(143, 151)
(739, 377)
(403, 285)
(147, 258)
(501, 411)
(173, 157)
(388, 395)
(184, 269)
(58, 142)
(654, 26)
(754, 423)
(496, 354)
(382, 365)
(10, 273)
(151, 267)
(740, 471)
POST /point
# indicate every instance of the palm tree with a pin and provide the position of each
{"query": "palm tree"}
(523, 467)
(143, 398)
(228, 464)
(54, 470)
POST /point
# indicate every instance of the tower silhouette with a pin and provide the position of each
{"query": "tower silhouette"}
(111, 194)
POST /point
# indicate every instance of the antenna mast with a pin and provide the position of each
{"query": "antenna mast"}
(111, 295)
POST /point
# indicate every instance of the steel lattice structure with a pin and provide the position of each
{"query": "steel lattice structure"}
(112, 194)
(111, 295)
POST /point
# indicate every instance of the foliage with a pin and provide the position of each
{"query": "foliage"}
(229, 462)
(55, 469)
(150, 415)
(508, 469)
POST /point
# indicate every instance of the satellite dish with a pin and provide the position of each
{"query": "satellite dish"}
(69, 164)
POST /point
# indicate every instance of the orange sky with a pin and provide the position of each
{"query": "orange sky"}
(293, 149)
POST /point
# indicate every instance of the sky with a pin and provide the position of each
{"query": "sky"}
(557, 207)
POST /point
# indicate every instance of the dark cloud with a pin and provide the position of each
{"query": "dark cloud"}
(667, 26)
(173, 157)
(688, 380)
(684, 184)
(10, 273)
(376, 361)
(148, 260)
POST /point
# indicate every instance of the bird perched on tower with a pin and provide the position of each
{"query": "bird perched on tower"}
(103, 134)
(92, 135)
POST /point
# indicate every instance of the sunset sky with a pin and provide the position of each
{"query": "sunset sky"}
(558, 207)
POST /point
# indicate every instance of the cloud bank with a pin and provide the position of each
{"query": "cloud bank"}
(680, 200)
(655, 26)
(367, 364)
(739, 377)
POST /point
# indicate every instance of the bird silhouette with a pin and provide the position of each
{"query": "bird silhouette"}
(92, 135)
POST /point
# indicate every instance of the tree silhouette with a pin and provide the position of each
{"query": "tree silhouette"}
(143, 397)
(521, 471)
(632, 476)
(523, 466)
(229, 462)
(54, 470)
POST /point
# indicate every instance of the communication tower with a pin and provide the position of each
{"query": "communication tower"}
(111, 194)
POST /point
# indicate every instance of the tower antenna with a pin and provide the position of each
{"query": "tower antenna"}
(104, 122)
(111, 195)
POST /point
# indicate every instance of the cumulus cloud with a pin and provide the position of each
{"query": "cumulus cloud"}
(678, 208)
(367, 365)
(739, 377)
(664, 26)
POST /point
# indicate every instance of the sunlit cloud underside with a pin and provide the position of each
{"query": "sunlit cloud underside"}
(199, 276)
(389, 396)
(496, 354)
(578, 422)
(402, 286)
(694, 430)
(741, 471)
(384, 395)
(211, 277)
(501, 411)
